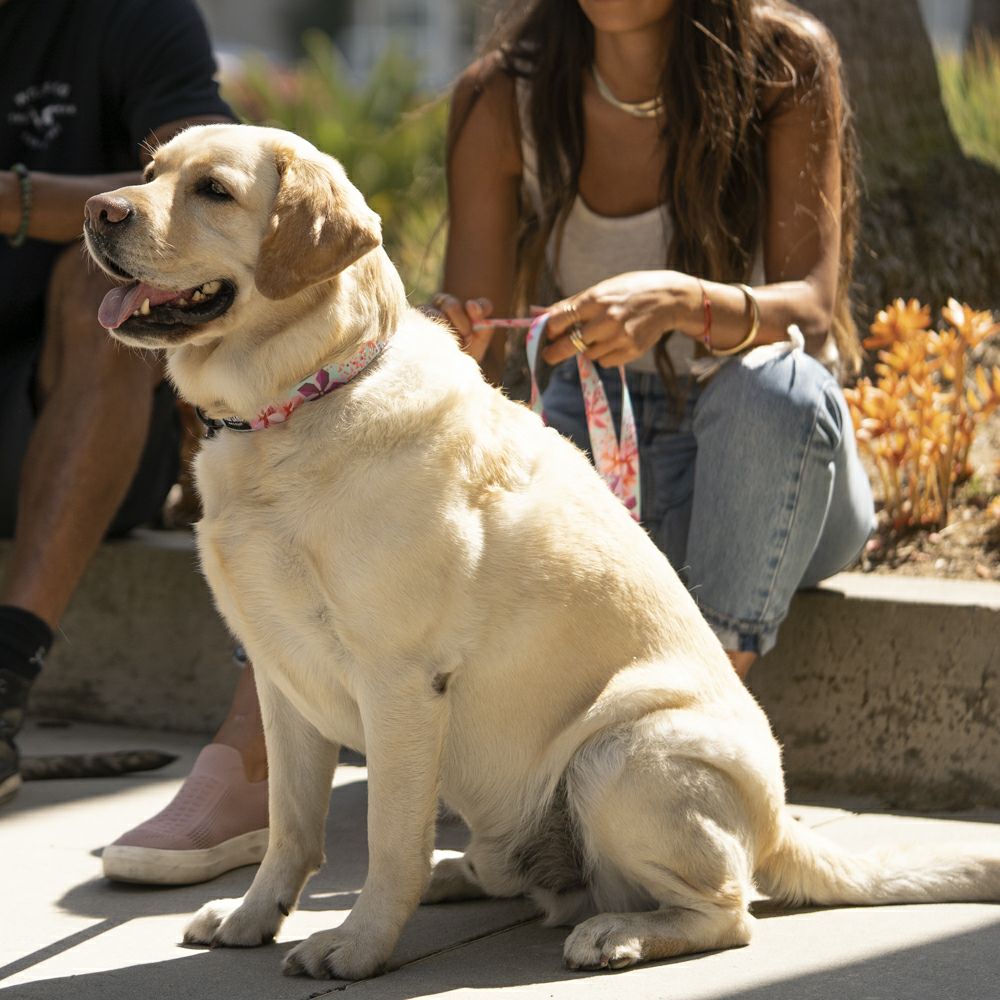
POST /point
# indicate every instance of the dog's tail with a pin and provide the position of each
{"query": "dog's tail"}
(805, 867)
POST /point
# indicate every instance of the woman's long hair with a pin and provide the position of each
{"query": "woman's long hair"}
(723, 53)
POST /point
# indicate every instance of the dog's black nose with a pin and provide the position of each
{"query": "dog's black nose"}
(106, 210)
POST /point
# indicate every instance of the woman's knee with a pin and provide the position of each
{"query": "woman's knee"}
(771, 403)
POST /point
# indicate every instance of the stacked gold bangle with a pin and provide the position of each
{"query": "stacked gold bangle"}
(24, 189)
(754, 326)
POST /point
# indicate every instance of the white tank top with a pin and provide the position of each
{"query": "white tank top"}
(595, 247)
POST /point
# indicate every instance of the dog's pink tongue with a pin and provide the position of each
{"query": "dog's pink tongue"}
(121, 302)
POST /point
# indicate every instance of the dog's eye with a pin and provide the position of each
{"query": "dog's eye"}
(211, 188)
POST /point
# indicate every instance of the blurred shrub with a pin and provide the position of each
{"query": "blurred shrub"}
(388, 134)
(917, 419)
(970, 87)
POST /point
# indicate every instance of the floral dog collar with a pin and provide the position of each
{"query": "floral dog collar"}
(329, 377)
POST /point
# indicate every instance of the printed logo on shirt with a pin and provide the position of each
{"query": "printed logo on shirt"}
(39, 111)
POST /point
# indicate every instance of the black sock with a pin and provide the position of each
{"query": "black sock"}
(24, 641)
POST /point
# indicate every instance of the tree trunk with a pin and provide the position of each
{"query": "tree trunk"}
(985, 19)
(930, 215)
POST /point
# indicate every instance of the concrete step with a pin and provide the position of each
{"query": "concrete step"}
(880, 685)
(890, 685)
(141, 643)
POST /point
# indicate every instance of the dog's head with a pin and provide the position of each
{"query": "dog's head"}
(228, 216)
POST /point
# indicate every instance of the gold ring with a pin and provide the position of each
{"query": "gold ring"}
(577, 340)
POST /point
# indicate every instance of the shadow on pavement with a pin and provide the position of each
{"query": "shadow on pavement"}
(334, 890)
(531, 955)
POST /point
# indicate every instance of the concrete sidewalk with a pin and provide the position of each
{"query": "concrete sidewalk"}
(67, 933)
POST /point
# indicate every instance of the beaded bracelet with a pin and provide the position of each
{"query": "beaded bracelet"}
(754, 326)
(24, 187)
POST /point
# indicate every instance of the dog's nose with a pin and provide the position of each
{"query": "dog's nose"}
(106, 210)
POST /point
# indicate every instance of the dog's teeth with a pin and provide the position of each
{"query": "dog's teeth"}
(144, 308)
(197, 297)
(211, 287)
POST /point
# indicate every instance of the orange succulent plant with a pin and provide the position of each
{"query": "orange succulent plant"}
(917, 419)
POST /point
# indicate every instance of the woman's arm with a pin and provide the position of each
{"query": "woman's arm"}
(804, 207)
(622, 317)
(484, 173)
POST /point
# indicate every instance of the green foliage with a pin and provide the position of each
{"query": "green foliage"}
(388, 134)
(970, 87)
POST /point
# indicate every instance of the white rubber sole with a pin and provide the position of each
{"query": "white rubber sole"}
(153, 866)
(9, 786)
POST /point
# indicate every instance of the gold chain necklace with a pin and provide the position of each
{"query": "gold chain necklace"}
(638, 109)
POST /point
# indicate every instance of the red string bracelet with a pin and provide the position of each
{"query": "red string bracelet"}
(706, 305)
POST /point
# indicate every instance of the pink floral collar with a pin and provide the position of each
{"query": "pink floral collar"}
(317, 385)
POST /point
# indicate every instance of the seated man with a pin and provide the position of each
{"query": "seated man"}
(88, 430)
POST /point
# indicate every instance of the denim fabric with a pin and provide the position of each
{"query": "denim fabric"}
(751, 486)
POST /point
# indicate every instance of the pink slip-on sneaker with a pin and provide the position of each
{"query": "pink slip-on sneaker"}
(217, 821)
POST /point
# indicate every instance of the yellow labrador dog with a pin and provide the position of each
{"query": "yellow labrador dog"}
(421, 570)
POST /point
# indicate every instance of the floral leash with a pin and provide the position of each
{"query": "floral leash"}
(616, 457)
(329, 377)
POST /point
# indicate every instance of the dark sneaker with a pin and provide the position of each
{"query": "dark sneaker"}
(13, 699)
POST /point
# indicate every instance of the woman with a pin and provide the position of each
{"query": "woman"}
(645, 162)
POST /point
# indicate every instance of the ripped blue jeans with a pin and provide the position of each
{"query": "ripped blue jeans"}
(753, 491)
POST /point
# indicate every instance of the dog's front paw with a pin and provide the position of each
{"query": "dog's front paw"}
(337, 954)
(232, 923)
(603, 942)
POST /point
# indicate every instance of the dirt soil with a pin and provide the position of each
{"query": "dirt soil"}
(968, 546)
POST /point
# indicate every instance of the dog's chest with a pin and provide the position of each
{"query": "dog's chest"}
(262, 567)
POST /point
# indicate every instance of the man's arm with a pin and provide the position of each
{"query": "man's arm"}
(57, 200)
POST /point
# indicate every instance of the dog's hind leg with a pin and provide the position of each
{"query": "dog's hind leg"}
(667, 854)
(453, 879)
(301, 764)
(486, 869)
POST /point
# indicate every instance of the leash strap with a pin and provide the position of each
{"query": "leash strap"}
(616, 457)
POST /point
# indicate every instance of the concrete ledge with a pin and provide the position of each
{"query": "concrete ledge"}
(879, 685)
(141, 644)
(891, 686)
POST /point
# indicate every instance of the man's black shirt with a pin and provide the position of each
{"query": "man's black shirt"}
(82, 84)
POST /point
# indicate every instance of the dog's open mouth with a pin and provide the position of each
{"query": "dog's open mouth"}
(143, 308)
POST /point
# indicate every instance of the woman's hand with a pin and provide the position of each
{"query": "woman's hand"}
(468, 321)
(618, 320)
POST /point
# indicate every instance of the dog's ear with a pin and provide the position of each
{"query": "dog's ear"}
(319, 225)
